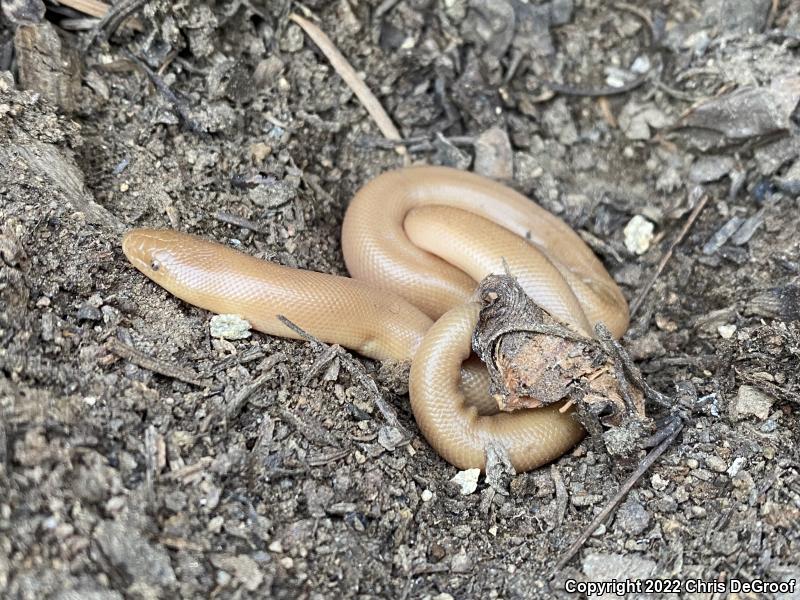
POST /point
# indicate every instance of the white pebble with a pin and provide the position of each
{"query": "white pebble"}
(638, 234)
(467, 480)
(737, 465)
(229, 327)
(641, 65)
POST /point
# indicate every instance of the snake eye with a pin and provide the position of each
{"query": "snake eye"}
(155, 265)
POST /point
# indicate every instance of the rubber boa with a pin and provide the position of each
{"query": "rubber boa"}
(415, 241)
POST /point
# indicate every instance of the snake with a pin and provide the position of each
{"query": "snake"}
(415, 241)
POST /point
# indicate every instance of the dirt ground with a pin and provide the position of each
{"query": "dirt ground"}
(205, 468)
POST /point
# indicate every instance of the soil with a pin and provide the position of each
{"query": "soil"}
(130, 478)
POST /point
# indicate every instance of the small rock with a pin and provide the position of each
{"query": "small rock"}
(736, 466)
(633, 518)
(664, 323)
(635, 120)
(229, 327)
(671, 526)
(658, 482)
(726, 331)
(267, 71)
(437, 552)
(293, 39)
(600, 531)
(772, 156)
(610, 567)
(175, 500)
(743, 482)
(697, 511)
(716, 464)
(87, 312)
(426, 495)
(666, 504)
(133, 555)
(638, 234)
(493, 155)
(768, 426)
(622, 441)
(461, 531)
(748, 111)
(557, 120)
(681, 494)
(390, 437)
(641, 65)
(259, 152)
(703, 474)
(244, 569)
(710, 168)
(448, 154)
(617, 78)
(751, 401)
(461, 563)
(272, 194)
(467, 481)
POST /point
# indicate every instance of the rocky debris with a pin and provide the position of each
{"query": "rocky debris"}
(745, 113)
(493, 157)
(711, 168)
(632, 517)
(466, 481)
(127, 549)
(751, 401)
(608, 567)
(23, 12)
(638, 234)
(229, 327)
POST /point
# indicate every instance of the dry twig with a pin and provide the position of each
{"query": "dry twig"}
(93, 8)
(668, 254)
(153, 364)
(243, 222)
(673, 430)
(570, 90)
(351, 78)
(114, 17)
(358, 373)
(181, 108)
